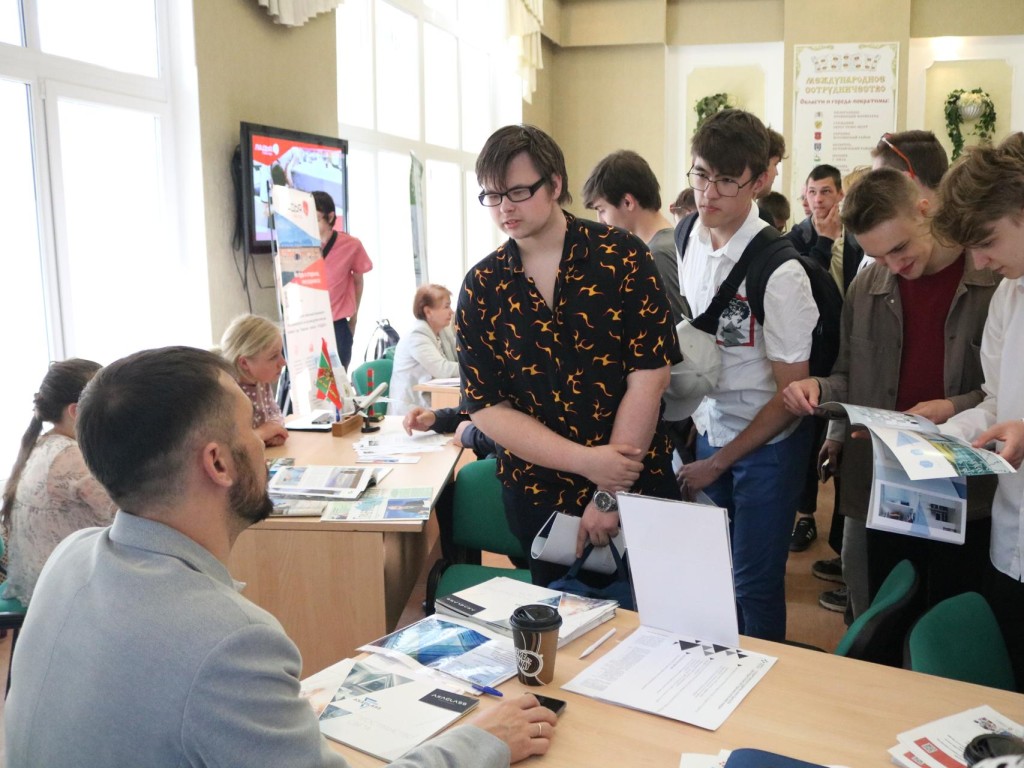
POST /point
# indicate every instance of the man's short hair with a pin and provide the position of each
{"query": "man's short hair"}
(927, 156)
(776, 205)
(508, 142)
(825, 171)
(730, 141)
(879, 196)
(620, 173)
(139, 417)
(776, 144)
(984, 186)
(686, 203)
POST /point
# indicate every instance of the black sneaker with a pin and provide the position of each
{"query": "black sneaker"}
(829, 570)
(835, 600)
(804, 532)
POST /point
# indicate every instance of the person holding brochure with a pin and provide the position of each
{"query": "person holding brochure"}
(140, 624)
(984, 208)
(910, 329)
(565, 347)
(254, 347)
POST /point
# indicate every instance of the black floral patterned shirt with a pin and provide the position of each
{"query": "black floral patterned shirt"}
(566, 365)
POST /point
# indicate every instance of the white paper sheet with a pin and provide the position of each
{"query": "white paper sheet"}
(681, 564)
(684, 678)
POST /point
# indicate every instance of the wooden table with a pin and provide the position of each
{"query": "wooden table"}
(813, 706)
(441, 396)
(335, 586)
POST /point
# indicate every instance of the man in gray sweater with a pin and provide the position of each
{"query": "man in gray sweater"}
(139, 650)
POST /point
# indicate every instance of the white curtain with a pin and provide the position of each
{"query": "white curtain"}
(295, 13)
(525, 18)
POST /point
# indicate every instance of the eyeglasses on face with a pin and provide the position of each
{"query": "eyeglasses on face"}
(886, 139)
(514, 195)
(724, 186)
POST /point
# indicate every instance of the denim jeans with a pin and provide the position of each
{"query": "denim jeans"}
(761, 492)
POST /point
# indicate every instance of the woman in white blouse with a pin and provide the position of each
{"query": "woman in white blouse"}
(50, 493)
(426, 352)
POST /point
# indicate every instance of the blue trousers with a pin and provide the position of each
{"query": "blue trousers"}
(761, 492)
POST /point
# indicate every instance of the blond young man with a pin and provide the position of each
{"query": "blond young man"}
(910, 328)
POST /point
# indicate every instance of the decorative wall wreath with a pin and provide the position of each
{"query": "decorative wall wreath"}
(974, 107)
(707, 106)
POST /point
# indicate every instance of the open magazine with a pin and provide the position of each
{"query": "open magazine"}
(918, 487)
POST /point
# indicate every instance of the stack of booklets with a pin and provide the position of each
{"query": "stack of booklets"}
(474, 643)
(492, 603)
(941, 743)
(382, 708)
(316, 490)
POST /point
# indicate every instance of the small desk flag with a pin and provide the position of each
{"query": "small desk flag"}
(326, 386)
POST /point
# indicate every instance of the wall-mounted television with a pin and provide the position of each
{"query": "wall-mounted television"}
(300, 160)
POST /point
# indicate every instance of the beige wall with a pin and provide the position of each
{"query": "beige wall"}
(606, 99)
(251, 69)
(604, 62)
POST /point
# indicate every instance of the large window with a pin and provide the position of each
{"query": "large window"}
(427, 79)
(89, 202)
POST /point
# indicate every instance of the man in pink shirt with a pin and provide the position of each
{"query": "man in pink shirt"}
(346, 262)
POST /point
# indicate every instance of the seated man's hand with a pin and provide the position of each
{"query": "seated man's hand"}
(1011, 435)
(420, 419)
(613, 467)
(936, 411)
(272, 433)
(522, 723)
(597, 526)
(801, 397)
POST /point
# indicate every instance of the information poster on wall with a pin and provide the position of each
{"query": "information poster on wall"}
(305, 304)
(845, 100)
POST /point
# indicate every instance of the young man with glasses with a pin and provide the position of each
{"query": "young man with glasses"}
(750, 452)
(565, 345)
(909, 342)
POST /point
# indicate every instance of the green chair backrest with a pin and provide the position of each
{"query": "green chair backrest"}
(877, 634)
(960, 639)
(478, 513)
(381, 374)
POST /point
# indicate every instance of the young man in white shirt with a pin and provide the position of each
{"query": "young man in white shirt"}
(751, 453)
(983, 208)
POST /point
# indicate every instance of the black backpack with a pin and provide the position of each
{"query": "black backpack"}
(384, 338)
(773, 250)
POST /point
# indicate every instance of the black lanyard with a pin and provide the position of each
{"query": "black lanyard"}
(326, 248)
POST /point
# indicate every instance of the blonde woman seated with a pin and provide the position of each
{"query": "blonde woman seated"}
(50, 493)
(426, 352)
(253, 345)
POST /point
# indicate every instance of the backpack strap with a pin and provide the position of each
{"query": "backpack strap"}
(768, 239)
(779, 252)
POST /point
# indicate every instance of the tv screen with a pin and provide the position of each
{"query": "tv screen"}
(289, 158)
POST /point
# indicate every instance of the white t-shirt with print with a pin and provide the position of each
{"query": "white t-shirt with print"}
(746, 382)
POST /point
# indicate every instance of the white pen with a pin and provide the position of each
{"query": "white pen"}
(598, 643)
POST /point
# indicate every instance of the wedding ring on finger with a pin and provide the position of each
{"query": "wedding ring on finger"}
(540, 730)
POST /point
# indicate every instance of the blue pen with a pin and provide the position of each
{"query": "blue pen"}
(487, 689)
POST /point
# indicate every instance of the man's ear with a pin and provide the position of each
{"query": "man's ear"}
(217, 464)
(556, 186)
(924, 206)
(629, 202)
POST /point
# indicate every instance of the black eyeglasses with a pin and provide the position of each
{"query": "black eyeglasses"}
(514, 195)
(910, 167)
(725, 187)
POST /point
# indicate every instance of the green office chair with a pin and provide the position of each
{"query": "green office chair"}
(878, 634)
(478, 523)
(960, 639)
(12, 616)
(381, 374)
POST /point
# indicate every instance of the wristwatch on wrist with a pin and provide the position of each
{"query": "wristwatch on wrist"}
(605, 501)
